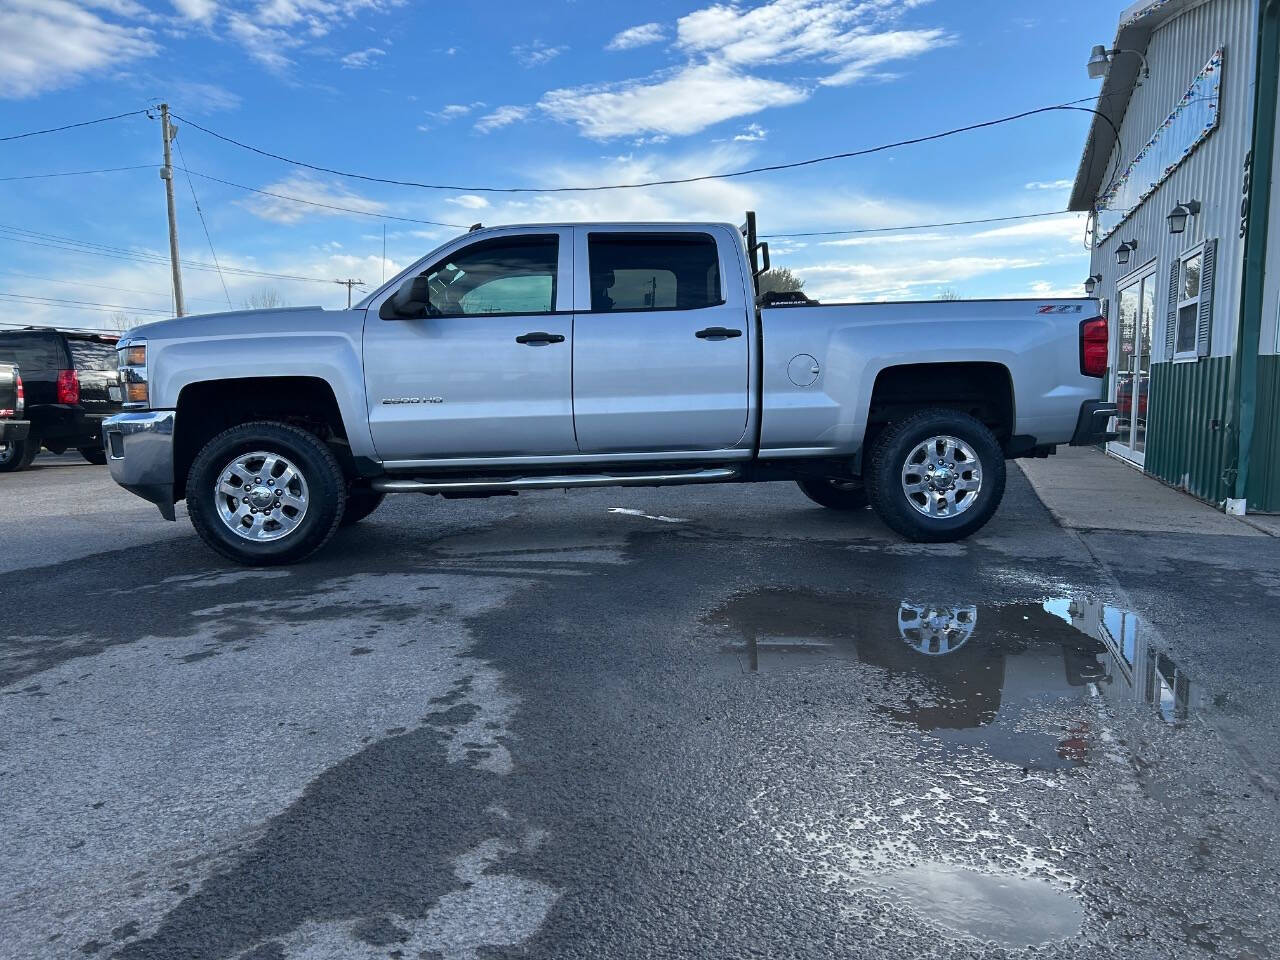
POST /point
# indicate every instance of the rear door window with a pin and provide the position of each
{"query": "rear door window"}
(93, 355)
(653, 271)
(33, 352)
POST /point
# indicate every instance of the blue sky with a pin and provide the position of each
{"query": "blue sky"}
(535, 94)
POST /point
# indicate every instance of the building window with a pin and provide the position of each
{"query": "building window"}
(1191, 303)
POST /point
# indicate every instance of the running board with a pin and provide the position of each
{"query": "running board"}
(397, 485)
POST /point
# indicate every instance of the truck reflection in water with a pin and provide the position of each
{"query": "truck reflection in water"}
(1009, 678)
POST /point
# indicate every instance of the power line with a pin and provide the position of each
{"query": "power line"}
(56, 242)
(327, 206)
(768, 168)
(100, 286)
(914, 226)
(200, 214)
(78, 173)
(70, 126)
(23, 297)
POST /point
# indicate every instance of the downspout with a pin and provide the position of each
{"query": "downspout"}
(1245, 369)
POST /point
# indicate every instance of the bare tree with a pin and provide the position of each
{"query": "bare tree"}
(264, 299)
(119, 322)
(780, 280)
(950, 293)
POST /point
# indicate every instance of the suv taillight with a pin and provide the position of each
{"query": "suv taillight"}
(1093, 347)
(68, 387)
(22, 398)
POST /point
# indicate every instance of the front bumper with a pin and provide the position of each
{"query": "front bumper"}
(1091, 425)
(14, 430)
(140, 455)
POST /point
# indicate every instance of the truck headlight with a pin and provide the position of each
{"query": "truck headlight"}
(133, 375)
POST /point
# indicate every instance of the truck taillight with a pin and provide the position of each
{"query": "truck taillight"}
(1093, 347)
(68, 387)
(22, 398)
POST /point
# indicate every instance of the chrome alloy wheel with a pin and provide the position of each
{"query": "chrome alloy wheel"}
(936, 631)
(261, 496)
(942, 477)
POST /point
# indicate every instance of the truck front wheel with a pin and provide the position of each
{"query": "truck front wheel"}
(265, 493)
(936, 476)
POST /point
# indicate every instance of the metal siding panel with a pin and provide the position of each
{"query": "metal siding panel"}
(1213, 174)
(1263, 493)
(1184, 446)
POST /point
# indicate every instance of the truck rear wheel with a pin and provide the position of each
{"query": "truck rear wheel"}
(936, 476)
(265, 493)
(95, 455)
(17, 455)
(834, 494)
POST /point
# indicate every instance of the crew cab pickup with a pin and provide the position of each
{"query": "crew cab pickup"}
(520, 358)
(13, 428)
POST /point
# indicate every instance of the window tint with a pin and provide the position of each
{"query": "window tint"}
(33, 352)
(653, 271)
(93, 355)
(504, 275)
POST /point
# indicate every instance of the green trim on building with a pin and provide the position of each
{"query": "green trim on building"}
(1263, 490)
(1186, 417)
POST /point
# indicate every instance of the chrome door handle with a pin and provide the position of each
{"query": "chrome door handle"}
(717, 333)
(539, 339)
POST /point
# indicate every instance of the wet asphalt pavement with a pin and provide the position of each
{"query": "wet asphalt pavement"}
(698, 722)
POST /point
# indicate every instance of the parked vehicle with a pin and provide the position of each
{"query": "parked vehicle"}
(584, 355)
(13, 426)
(72, 385)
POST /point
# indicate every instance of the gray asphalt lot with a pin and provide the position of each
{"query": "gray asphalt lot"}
(698, 722)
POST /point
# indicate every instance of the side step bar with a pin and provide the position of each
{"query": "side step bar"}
(398, 485)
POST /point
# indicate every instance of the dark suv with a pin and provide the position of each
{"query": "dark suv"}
(72, 385)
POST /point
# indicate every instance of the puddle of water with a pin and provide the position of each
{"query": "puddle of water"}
(1013, 910)
(971, 674)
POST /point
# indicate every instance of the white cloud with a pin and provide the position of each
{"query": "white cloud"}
(640, 36)
(49, 44)
(449, 112)
(503, 116)
(306, 186)
(535, 54)
(1050, 184)
(729, 51)
(358, 59)
(906, 277)
(682, 102)
(752, 133)
(264, 44)
(208, 97)
(470, 201)
(273, 30)
(201, 11)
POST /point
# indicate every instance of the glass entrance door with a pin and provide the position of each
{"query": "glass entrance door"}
(1131, 363)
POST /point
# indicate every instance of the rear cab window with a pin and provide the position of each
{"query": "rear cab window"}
(33, 352)
(93, 355)
(653, 271)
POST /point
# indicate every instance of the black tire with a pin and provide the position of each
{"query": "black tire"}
(95, 455)
(834, 494)
(361, 502)
(889, 456)
(315, 463)
(17, 455)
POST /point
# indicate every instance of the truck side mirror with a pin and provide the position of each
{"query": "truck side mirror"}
(409, 302)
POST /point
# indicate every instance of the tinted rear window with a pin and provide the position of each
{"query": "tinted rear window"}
(653, 271)
(32, 352)
(92, 355)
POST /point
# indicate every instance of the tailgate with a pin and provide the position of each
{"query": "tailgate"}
(95, 364)
(8, 389)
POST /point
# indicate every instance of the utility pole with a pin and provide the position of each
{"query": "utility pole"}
(168, 132)
(349, 283)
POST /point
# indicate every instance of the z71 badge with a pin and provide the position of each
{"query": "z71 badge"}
(393, 400)
(1062, 308)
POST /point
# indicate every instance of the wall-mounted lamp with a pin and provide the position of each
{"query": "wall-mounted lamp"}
(1091, 284)
(1100, 59)
(1178, 216)
(1123, 251)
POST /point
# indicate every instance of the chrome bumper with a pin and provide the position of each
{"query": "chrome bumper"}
(140, 455)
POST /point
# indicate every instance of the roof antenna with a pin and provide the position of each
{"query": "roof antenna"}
(475, 227)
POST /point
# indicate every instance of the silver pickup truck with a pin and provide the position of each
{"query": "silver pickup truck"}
(521, 358)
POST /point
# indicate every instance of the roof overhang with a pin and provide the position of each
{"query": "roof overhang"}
(1137, 23)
